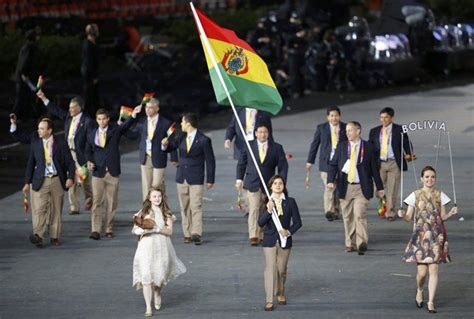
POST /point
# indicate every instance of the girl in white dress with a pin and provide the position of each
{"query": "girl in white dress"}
(155, 262)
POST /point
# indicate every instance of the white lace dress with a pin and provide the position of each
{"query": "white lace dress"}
(155, 260)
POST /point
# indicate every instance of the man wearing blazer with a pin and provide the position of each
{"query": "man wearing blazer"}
(50, 172)
(250, 119)
(76, 123)
(103, 159)
(195, 157)
(387, 142)
(326, 138)
(153, 159)
(270, 156)
(356, 169)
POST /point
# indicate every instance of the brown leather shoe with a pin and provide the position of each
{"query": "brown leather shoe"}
(187, 240)
(254, 241)
(55, 242)
(36, 240)
(95, 235)
(109, 235)
(349, 249)
(281, 300)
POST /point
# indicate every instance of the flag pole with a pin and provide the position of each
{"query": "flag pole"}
(208, 48)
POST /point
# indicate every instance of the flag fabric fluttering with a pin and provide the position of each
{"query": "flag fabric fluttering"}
(40, 83)
(382, 209)
(125, 112)
(147, 97)
(81, 172)
(245, 74)
(171, 129)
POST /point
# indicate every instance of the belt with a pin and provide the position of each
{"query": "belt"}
(388, 160)
(354, 183)
(50, 176)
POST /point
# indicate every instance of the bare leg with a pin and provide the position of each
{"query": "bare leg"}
(432, 284)
(147, 293)
(420, 280)
(157, 296)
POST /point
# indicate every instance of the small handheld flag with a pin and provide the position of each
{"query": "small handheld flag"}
(26, 205)
(125, 112)
(81, 173)
(171, 129)
(307, 181)
(382, 206)
(147, 97)
(40, 83)
(239, 200)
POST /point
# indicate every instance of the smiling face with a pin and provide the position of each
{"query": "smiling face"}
(277, 186)
(353, 132)
(385, 119)
(155, 198)
(334, 118)
(262, 134)
(428, 179)
(74, 109)
(43, 131)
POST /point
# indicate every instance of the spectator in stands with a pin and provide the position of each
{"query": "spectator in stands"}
(26, 70)
(90, 69)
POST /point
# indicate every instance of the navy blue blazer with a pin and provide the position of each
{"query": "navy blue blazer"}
(290, 220)
(366, 167)
(233, 130)
(106, 158)
(80, 139)
(322, 137)
(191, 165)
(159, 158)
(374, 138)
(275, 158)
(36, 166)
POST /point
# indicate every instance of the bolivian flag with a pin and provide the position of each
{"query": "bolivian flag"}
(245, 74)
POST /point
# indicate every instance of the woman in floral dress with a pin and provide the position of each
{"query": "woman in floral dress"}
(428, 245)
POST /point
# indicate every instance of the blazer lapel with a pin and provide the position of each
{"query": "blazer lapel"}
(254, 147)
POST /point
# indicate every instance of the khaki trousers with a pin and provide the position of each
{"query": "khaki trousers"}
(354, 211)
(331, 203)
(151, 176)
(73, 192)
(48, 201)
(276, 262)
(256, 200)
(190, 201)
(105, 197)
(390, 174)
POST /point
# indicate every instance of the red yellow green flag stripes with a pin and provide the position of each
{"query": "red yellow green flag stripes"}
(245, 74)
(125, 112)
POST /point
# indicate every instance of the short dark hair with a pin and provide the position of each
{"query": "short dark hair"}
(333, 109)
(79, 101)
(48, 121)
(262, 125)
(427, 168)
(102, 111)
(356, 124)
(191, 118)
(388, 110)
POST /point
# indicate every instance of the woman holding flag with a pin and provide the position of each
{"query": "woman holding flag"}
(276, 254)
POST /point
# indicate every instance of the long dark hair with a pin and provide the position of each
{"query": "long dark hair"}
(270, 182)
(165, 210)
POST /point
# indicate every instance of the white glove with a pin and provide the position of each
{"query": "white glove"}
(138, 231)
